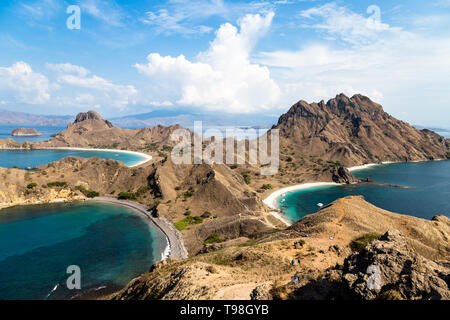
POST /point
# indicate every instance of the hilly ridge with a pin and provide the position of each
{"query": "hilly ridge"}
(356, 130)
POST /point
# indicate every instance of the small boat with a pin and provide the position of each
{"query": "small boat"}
(283, 200)
(320, 204)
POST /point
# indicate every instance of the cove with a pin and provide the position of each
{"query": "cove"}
(427, 191)
(34, 158)
(111, 244)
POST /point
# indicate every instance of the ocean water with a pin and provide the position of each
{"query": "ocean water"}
(5, 133)
(110, 244)
(34, 158)
(427, 193)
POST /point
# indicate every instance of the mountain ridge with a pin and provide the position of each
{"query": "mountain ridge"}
(356, 130)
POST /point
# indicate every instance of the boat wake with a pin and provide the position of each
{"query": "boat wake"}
(53, 290)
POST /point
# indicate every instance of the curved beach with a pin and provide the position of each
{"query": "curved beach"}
(145, 156)
(175, 239)
(271, 200)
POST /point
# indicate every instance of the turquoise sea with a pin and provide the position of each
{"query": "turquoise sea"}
(427, 191)
(5, 133)
(110, 244)
(35, 158)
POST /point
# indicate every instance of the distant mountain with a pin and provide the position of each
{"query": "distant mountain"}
(186, 119)
(21, 118)
(356, 130)
(432, 128)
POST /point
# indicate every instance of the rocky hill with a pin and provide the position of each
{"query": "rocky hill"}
(91, 130)
(413, 263)
(25, 132)
(356, 130)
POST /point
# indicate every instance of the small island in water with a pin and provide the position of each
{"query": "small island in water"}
(25, 132)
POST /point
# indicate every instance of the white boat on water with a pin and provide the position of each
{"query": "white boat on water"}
(320, 204)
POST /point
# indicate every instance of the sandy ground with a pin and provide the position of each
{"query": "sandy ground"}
(145, 157)
(174, 237)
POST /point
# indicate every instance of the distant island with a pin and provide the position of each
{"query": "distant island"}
(25, 132)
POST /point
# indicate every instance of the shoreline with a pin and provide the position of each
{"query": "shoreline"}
(175, 241)
(143, 155)
(370, 165)
(271, 200)
(146, 157)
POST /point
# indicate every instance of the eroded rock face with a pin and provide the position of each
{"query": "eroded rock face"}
(25, 132)
(356, 130)
(91, 115)
(342, 175)
(390, 269)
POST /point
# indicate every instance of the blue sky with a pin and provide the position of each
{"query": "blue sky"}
(218, 56)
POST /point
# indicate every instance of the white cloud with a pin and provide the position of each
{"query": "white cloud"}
(107, 93)
(390, 65)
(167, 23)
(345, 24)
(106, 11)
(188, 17)
(68, 68)
(20, 84)
(222, 78)
(185, 17)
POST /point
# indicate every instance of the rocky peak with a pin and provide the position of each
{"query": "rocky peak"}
(91, 115)
(389, 268)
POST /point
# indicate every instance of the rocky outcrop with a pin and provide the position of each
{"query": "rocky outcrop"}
(91, 115)
(25, 132)
(354, 131)
(408, 264)
(342, 175)
(390, 268)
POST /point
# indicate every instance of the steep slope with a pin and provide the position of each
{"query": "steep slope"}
(263, 266)
(354, 131)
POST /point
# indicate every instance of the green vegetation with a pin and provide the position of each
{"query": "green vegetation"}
(213, 238)
(188, 194)
(87, 193)
(221, 261)
(156, 203)
(141, 191)
(289, 159)
(233, 166)
(57, 184)
(31, 185)
(151, 146)
(246, 176)
(360, 243)
(126, 196)
(167, 148)
(267, 186)
(188, 221)
(92, 194)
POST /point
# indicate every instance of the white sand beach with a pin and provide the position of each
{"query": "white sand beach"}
(271, 200)
(145, 157)
(365, 166)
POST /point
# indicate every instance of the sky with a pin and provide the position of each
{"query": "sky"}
(216, 56)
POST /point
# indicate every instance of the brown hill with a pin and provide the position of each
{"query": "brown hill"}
(356, 130)
(91, 130)
(263, 265)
